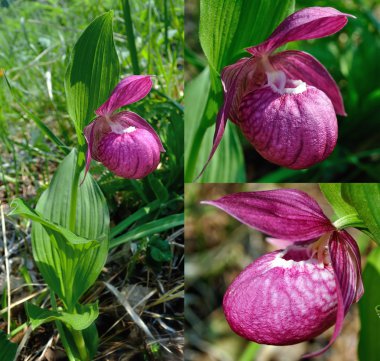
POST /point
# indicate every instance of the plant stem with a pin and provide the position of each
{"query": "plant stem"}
(130, 36)
(350, 220)
(79, 341)
(80, 163)
(60, 330)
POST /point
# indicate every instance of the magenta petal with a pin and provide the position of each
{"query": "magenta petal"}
(292, 130)
(130, 90)
(299, 65)
(278, 243)
(89, 135)
(249, 75)
(93, 133)
(338, 323)
(282, 298)
(308, 23)
(283, 213)
(128, 119)
(345, 259)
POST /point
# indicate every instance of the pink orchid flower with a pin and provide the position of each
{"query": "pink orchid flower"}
(285, 102)
(294, 294)
(124, 142)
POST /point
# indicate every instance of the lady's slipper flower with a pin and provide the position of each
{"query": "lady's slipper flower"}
(124, 142)
(294, 294)
(285, 103)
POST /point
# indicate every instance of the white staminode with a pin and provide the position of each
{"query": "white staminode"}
(281, 262)
(279, 84)
(129, 129)
(119, 129)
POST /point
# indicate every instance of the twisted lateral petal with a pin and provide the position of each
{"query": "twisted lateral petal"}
(250, 75)
(93, 133)
(292, 130)
(300, 65)
(130, 90)
(282, 298)
(345, 259)
(308, 23)
(283, 213)
(232, 77)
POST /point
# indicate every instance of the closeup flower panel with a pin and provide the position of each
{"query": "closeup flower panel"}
(294, 294)
(285, 103)
(124, 142)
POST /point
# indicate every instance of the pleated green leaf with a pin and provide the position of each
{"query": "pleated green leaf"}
(369, 309)
(20, 208)
(196, 96)
(333, 193)
(365, 198)
(78, 321)
(93, 70)
(71, 270)
(227, 164)
(8, 349)
(229, 26)
(149, 228)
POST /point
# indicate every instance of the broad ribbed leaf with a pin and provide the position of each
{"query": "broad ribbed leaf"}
(8, 349)
(332, 192)
(20, 208)
(69, 271)
(200, 106)
(365, 198)
(229, 26)
(78, 321)
(149, 228)
(369, 309)
(93, 70)
(196, 95)
(227, 165)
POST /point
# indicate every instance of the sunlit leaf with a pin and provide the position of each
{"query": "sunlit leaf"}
(365, 198)
(369, 309)
(93, 70)
(228, 162)
(71, 272)
(20, 208)
(332, 192)
(78, 321)
(149, 228)
(229, 26)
